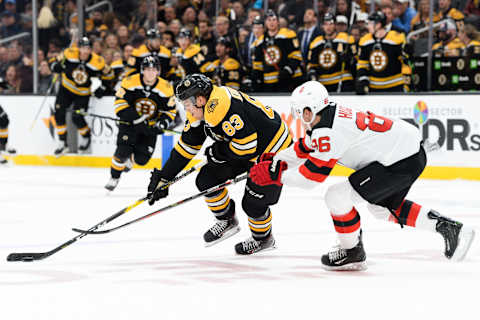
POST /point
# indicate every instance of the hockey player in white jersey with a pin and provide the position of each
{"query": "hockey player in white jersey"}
(387, 156)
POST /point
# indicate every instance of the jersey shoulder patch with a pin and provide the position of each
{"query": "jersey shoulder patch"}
(117, 64)
(286, 33)
(141, 51)
(132, 82)
(96, 62)
(163, 88)
(217, 106)
(231, 64)
(258, 41)
(395, 37)
(365, 40)
(191, 51)
(164, 52)
(71, 53)
(317, 41)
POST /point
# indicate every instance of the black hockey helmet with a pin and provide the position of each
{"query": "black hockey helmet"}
(329, 17)
(271, 13)
(194, 85)
(258, 20)
(185, 33)
(225, 41)
(153, 33)
(379, 17)
(84, 42)
(150, 62)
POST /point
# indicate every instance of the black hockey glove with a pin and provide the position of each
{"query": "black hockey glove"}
(100, 92)
(361, 87)
(213, 154)
(285, 74)
(155, 190)
(161, 125)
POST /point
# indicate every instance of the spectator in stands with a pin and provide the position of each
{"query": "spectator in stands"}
(472, 13)
(45, 77)
(308, 32)
(449, 45)
(168, 40)
(98, 46)
(206, 39)
(239, 9)
(341, 23)
(189, 18)
(293, 11)
(12, 80)
(161, 27)
(471, 39)
(222, 29)
(169, 14)
(175, 26)
(3, 61)
(123, 36)
(9, 27)
(348, 9)
(111, 41)
(11, 6)
(252, 14)
(447, 11)
(403, 15)
(15, 53)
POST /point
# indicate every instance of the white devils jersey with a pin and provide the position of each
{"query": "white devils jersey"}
(353, 138)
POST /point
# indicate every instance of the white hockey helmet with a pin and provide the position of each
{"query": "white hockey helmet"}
(312, 95)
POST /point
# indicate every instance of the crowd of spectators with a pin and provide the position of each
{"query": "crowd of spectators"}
(115, 34)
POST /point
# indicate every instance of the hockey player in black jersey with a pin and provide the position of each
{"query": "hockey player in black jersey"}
(145, 102)
(189, 54)
(77, 66)
(4, 149)
(242, 129)
(153, 47)
(381, 58)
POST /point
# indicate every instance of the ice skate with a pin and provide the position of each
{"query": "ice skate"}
(3, 161)
(112, 184)
(84, 143)
(251, 246)
(61, 149)
(340, 259)
(221, 230)
(458, 238)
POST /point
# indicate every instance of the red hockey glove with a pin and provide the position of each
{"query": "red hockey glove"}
(266, 157)
(268, 173)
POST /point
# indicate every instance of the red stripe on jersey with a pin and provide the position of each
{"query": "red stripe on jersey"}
(312, 175)
(346, 217)
(412, 215)
(320, 163)
(299, 149)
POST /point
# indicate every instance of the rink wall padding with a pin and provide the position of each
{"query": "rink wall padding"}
(454, 122)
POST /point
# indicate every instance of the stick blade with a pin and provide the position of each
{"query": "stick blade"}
(25, 257)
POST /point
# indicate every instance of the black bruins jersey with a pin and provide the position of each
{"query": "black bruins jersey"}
(472, 49)
(136, 100)
(453, 48)
(331, 59)
(243, 127)
(381, 60)
(228, 73)
(456, 16)
(272, 54)
(135, 60)
(189, 61)
(77, 74)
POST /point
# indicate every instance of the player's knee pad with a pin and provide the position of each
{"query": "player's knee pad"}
(207, 177)
(257, 199)
(338, 198)
(60, 116)
(378, 212)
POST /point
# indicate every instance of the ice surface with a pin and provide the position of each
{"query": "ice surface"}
(159, 269)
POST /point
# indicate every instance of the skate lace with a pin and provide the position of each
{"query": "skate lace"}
(250, 244)
(337, 254)
(219, 227)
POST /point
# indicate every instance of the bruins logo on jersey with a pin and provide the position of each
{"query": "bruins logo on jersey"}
(211, 105)
(272, 55)
(327, 58)
(378, 60)
(146, 106)
(79, 75)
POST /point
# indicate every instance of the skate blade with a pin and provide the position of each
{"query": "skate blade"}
(226, 235)
(61, 154)
(259, 252)
(465, 237)
(355, 266)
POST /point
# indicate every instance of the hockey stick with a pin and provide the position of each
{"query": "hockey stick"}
(54, 80)
(27, 257)
(88, 114)
(173, 205)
